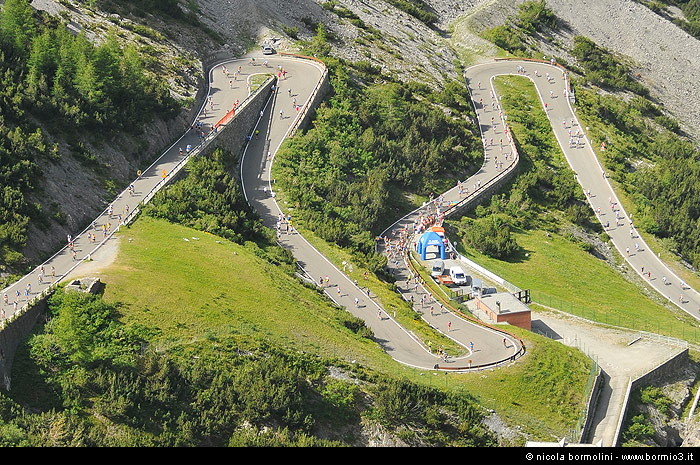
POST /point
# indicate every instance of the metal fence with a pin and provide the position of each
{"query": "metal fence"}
(675, 333)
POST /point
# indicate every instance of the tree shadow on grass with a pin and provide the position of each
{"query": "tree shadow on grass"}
(520, 255)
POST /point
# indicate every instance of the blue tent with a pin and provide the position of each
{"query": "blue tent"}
(428, 239)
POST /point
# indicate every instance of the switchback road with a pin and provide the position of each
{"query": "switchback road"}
(482, 345)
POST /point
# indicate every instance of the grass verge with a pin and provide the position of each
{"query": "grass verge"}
(561, 274)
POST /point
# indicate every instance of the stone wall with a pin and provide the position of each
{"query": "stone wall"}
(590, 406)
(670, 366)
(485, 193)
(13, 333)
(233, 136)
(318, 95)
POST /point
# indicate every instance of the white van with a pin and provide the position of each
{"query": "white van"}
(476, 287)
(458, 276)
(438, 269)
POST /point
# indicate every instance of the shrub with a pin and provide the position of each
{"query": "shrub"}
(639, 429)
(490, 235)
(507, 38)
(366, 145)
(603, 69)
(533, 15)
(655, 396)
(416, 8)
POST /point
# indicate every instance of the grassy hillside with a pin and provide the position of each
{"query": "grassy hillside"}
(163, 359)
(550, 260)
(204, 339)
(239, 296)
(210, 288)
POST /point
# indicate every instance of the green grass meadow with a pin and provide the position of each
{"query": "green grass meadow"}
(207, 288)
(198, 292)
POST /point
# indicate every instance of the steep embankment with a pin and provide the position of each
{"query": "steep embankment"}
(377, 32)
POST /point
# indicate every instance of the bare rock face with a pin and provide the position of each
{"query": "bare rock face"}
(692, 433)
(73, 193)
(671, 429)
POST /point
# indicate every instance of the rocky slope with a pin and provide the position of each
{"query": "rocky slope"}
(80, 192)
(662, 54)
(660, 51)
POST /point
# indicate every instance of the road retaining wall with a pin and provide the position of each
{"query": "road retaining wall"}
(670, 367)
(13, 332)
(317, 95)
(589, 411)
(231, 136)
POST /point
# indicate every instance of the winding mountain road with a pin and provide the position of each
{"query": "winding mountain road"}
(482, 345)
(591, 176)
(399, 343)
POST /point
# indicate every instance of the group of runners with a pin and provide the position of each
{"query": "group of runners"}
(285, 221)
(199, 127)
(91, 237)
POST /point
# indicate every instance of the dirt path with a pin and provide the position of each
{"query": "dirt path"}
(101, 259)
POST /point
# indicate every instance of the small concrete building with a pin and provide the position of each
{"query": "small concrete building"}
(503, 307)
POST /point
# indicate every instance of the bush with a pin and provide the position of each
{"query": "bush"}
(533, 15)
(603, 69)
(507, 38)
(416, 8)
(490, 235)
(292, 32)
(655, 396)
(579, 214)
(639, 429)
(368, 144)
(356, 325)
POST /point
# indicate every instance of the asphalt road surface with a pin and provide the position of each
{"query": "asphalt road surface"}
(400, 344)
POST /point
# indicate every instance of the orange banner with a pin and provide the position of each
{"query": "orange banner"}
(227, 117)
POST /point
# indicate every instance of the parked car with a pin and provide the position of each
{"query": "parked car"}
(267, 49)
(438, 269)
(477, 290)
(458, 276)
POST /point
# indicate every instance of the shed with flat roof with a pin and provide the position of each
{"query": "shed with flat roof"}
(503, 307)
